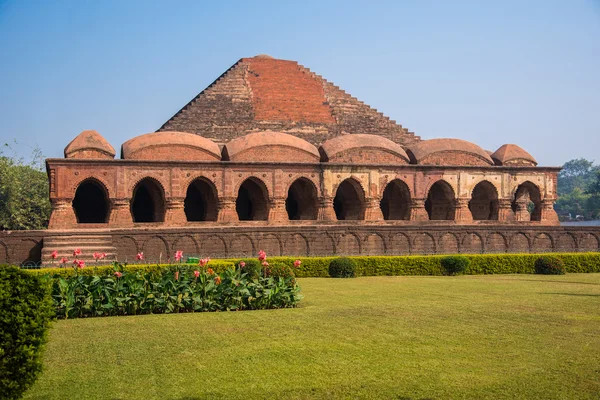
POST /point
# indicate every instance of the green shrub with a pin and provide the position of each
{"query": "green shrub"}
(549, 265)
(252, 268)
(182, 289)
(455, 264)
(281, 270)
(25, 314)
(108, 269)
(342, 268)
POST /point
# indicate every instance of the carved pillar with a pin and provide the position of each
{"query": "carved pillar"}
(373, 210)
(521, 212)
(63, 215)
(462, 212)
(549, 216)
(120, 212)
(175, 213)
(227, 211)
(277, 211)
(505, 212)
(326, 211)
(417, 210)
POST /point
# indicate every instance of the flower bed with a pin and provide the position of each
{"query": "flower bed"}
(119, 289)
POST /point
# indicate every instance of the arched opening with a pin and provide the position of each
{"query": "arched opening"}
(395, 203)
(301, 202)
(440, 202)
(91, 202)
(200, 202)
(484, 202)
(148, 202)
(252, 201)
(349, 201)
(527, 202)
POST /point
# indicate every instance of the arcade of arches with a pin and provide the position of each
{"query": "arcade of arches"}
(252, 203)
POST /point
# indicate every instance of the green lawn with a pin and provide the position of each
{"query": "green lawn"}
(495, 336)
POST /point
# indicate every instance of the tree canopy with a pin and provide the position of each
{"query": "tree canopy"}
(579, 189)
(24, 202)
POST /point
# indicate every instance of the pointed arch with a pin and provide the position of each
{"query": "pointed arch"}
(484, 202)
(395, 202)
(440, 203)
(201, 199)
(90, 203)
(527, 202)
(148, 201)
(349, 201)
(301, 201)
(252, 203)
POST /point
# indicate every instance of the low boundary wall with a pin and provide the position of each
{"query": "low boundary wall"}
(19, 247)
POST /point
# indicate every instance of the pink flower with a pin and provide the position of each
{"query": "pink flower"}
(54, 254)
(265, 264)
(242, 264)
(176, 275)
(64, 260)
(297, 263)
(140, 256)
(204, 261)
(96, 256)
(102, 256)
(262, 256)
(178, 255)
(118, 274)
(196, 273)
(80, 264)
(76, 252)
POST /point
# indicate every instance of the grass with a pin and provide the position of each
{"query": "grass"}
(498, 336)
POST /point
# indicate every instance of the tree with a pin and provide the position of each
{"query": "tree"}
(24, 202)
(593, 202)
(574, 180)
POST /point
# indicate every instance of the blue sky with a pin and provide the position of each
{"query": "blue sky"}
(492, 72)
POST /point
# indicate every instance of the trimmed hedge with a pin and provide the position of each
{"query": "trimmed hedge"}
(480, 264)
(549, 265)
(218, 266)
(25, 314)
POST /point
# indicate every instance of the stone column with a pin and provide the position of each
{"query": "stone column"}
(417, 210)
(373, 210)
(462, 212)
(549, 216)
(175, 213)
(521, 212)
(505, 212)
(277, 211)
(326, 211)
(226, 210)
(120, 212)
(63, 215)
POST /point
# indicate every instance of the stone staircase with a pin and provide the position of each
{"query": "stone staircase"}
(88, 244)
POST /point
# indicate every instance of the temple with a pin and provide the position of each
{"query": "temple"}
(272, 156)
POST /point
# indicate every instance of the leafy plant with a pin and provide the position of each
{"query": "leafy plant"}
(342, 267)
(173, 289)
(455, 264)
(252, 268)
(549, 265)
(25, 314)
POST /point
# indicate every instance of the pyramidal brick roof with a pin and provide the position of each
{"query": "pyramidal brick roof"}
(266, 94)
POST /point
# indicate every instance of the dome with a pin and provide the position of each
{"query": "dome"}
(170, 146)
(89, 144)
(270, 146)
(448, 152)
(511, 154)
(363, 149)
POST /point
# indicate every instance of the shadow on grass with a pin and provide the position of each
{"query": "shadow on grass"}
(576, 294)
(544, 280)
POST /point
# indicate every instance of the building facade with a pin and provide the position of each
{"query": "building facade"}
(273, 156)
